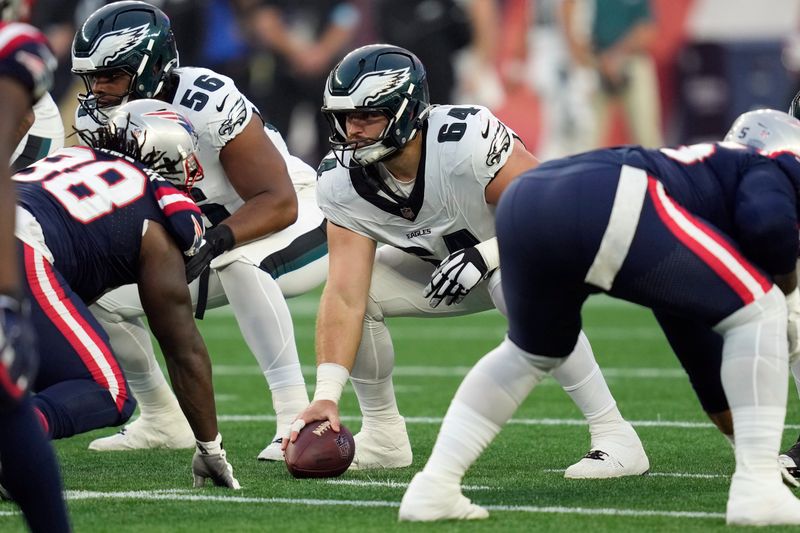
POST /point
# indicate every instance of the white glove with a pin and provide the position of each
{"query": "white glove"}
(793, 327)
(459, 272)
(210, 462)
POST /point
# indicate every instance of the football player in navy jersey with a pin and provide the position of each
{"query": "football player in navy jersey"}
(28, 469)
(424, 180)
(266, 238)
(90, 219)
(705, 235)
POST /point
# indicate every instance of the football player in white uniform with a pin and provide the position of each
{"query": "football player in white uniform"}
(423, 180)
(45, 136)
(266, 238)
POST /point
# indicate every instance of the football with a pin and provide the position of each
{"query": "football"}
(320, 452)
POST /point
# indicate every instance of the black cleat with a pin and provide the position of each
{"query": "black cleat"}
(790, 464)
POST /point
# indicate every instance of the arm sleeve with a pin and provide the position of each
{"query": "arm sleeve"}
(490, 144)
(184, 220)
(26, 57)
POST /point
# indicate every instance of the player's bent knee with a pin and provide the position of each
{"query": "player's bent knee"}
(105, 316)
(769, 307)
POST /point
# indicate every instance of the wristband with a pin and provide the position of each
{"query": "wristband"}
(331, 379)
(490, 253)
(213, 447)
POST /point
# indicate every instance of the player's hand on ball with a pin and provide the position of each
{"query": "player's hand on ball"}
(317, 410)
(456, 275)
(210, 462)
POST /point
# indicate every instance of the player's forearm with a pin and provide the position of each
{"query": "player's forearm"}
(338, 335)
(190, 375)
(262, 215)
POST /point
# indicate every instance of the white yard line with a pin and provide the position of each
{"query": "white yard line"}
(428, 420)
(197, 497)
(461, 371)
(390, 484)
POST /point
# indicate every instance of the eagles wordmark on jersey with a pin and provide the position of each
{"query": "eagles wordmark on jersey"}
(463, 149)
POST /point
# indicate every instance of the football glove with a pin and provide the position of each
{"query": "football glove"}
(793, 327)
(18, 358)
(218, 240)
(210, 462)
(459, 272)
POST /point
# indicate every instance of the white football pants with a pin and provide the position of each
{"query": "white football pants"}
(258, 302)
(398, 280)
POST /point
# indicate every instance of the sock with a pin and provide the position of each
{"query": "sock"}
(486, 399)
(581, 378)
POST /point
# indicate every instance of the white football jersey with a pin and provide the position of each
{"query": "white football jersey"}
(45, 136)
(219, 112)
(463, 148)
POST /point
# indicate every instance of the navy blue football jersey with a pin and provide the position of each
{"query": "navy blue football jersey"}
(750, 196)
(93, 207)
(25, 57)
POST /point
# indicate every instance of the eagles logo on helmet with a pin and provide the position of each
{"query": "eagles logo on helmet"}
(131, 36)
(378, 78)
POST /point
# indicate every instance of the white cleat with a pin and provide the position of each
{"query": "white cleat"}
(612, 456)
(273, 451)
(148, 433)
(384, 446)
(427, 499)
(754, 504)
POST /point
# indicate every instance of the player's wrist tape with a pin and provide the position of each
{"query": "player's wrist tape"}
(331, 379)
(490, 253)
(213, 447)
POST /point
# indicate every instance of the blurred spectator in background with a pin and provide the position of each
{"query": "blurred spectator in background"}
(304, 41)
(564, 87)
(622, 32)
(224, 47)
(436, 30)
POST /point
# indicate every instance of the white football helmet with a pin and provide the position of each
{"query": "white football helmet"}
(767, 130)
(165, 137)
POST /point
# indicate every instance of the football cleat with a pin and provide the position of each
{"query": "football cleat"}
(616, 454)
(428, 499)
(756, 503)
(273, 451)
(148, 433)
(790, 459)
(4, 494)
(382, 446)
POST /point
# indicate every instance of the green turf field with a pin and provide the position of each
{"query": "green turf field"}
(519, 478)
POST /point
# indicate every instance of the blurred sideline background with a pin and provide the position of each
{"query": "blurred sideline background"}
(567, 75)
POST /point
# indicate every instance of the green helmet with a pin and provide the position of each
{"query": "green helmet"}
(132, 36)
(376, 78)
(794, 108)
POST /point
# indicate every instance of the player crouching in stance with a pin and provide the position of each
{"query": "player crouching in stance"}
(93, 218)
(423, 180)
(644, 226)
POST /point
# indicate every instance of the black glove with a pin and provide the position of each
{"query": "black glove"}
(18, 358)
(218, 240)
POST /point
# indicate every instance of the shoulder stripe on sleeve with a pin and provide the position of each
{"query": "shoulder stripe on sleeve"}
(13, 36)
